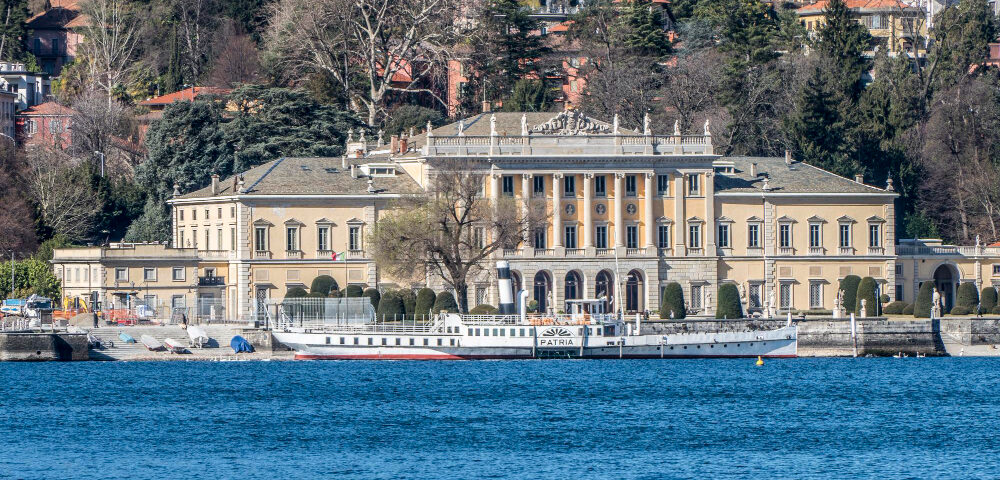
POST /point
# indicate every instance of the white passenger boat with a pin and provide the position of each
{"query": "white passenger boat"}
(586, 332)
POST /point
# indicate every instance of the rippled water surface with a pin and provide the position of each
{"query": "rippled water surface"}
(802, 418)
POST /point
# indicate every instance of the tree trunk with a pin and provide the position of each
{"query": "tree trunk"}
(462, 297)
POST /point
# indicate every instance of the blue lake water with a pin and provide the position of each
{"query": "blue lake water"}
(798, 418)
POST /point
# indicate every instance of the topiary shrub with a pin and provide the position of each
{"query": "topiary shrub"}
(988, 299)
(353, 291)
(895, 308)
(884, 298)
(532, 306)
(728, 305)
(445, 301)
(484, 309)
(315, 295)
(960, 310)
(409, 300)
(922, 307)
(336, 294)
(866, 292)
(323, 284)
(968, 298)
(374, 296)
(296, 292)
(849, 285)
(425, 302)
(996, 310)
(908, 309)
(390, 306)
(672, 300)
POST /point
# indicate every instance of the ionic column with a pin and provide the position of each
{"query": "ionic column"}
(680, 223)
(494, 187)
(650, 237)
(619, 200)
(556, 211)
(588, 222)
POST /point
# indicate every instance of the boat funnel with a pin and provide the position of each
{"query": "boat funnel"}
(505, 287)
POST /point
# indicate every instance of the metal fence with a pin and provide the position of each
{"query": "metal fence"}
(301, 312)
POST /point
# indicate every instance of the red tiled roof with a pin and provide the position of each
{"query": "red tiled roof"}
(820, 6)
(185, 95)
(48, 108)
(561, 27)
(60, 14)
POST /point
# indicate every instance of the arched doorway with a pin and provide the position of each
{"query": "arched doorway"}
(574, 286)
(634, 292)
(604, 287)
(515, 283)
(542, 289)
(945, 278)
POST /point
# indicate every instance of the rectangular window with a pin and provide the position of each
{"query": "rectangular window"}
(507, 185)
(219, 242)
(663, 185)
(754, 297)
(482, 294)
(996, 269)
(232, 212)
(177, 274)
(785, 235)
(663, 236)
(569, 186)
(785, 292)
(570, 237)
(630, 190)
(815, 295)
(753, 235)
(220, 213)
(874, 237)
(696, 297)
(232, 239)
(899, 293)
(723, 239)
(181, 213)
(149, 274)
(194, 238)
(694, 236)
(121, 274)
(601, 236)
(694, 187)
(540, 238)
(899, 269)
(479, 237)
(292, 239)
(631, 236)
(323, 238)
(180, 239)
(814, 238)
(845, 235)
(600, 186)
(208, 235)
(260, 239)
(354, 238)
(538, 185)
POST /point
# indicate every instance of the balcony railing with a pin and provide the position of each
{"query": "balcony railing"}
(664, 252)
(695, 251)
(261, 254)
(786, 251)
(211, 281)
(817, 251)
(355, 254)
(605, 252)
(294, 254)
(324, 253)
(845, 251)
(755, 251)
(541, 252)
(876, 250)
(512, 252)
(634, 252)
(958, 250)
(574, 252)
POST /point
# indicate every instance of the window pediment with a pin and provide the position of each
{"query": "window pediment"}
(664, 220)
(695, 220)
(355, 221)
(292, 222)
(724, 219)
(755, 219)
(325, 221)
(260, 222)
(846, 219)
(816, 219)
(875, 219)
(786, 219)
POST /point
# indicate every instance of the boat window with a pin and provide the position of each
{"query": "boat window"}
(355, 340)
(470, 332)
(495, 332)
(341, 340)
(411, 342)
(384, 341)
(513, 332)
(477, 332)
(503, 331)
(522, 332)
(399, 341)
(453, 342)
(426, 342)
(327, 340)
(440, 342)
(486, 332)
(371, 341)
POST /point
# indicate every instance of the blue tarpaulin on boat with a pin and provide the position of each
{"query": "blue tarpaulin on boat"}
(126, 337)
(240, 344)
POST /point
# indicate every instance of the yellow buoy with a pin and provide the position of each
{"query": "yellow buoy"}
(760, 361)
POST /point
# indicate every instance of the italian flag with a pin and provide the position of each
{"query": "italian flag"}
(337, 256)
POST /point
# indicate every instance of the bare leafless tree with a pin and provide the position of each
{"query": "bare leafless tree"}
(237, 61)
(16, 215)
(690, 86)
(452, 230)
(110, 45)
(61, 191)
(99, 129)
(196, 24)
(371, 48)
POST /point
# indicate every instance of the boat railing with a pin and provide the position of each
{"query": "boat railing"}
(361, 328)
(540, 319)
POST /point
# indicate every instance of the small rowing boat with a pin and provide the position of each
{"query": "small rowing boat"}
(173, 346)
(151, 343)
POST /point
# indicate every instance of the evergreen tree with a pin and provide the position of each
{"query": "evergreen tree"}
(14, 32)
(445, 301)
(967, 297)
(988, 299)
(323, 284)
(842, 42)
(296, 292)
(866, 292)
(922, 307)
(729, 305)
(506, 48)
(816, 128)
(374, 296)
(849, 285)
(173, 80)
(390, 307)
(425, 302)
(962, 35)
(644, 32)
(353, 291)
(672, 302)
(529, 95)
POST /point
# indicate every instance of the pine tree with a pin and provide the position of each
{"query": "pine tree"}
(843, 42)
(173, 80)
(529, 95)
(644, 32)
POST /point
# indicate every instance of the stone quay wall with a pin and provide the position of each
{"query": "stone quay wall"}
(28, 346)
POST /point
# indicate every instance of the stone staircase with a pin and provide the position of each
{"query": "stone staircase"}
(116, 349)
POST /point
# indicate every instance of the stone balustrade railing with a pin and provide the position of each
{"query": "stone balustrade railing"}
(594, 144)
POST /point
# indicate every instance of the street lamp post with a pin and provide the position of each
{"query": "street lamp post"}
(101, 154)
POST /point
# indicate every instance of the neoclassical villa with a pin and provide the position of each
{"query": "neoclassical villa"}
(627, 212)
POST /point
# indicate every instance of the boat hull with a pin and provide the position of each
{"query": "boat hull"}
(780, 343)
